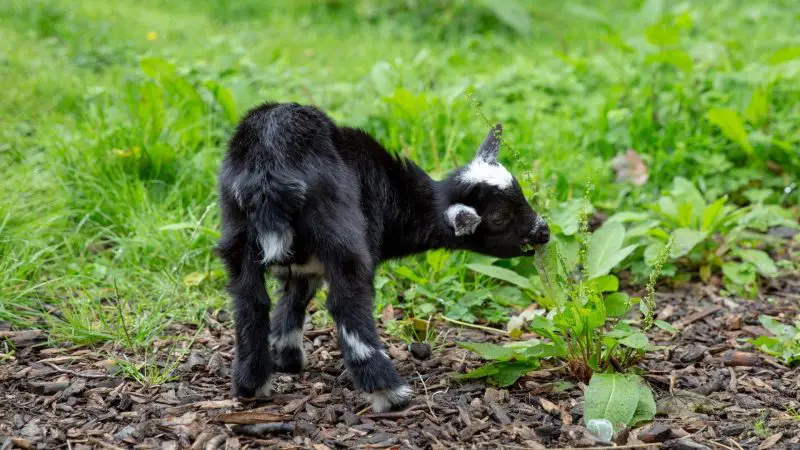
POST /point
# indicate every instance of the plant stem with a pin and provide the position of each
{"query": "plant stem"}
(472, 325)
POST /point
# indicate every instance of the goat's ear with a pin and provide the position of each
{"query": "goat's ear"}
(464, 219)
(491, 145)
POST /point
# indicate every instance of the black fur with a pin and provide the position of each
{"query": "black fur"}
(316, 201)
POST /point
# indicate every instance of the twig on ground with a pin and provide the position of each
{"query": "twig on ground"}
(471, 325)
(428, 400)
(77, 374)
(412, 411)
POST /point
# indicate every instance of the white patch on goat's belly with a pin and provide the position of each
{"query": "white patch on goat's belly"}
(275, 246)
(359, 349)
(480, 171)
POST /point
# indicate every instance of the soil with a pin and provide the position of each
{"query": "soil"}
(713, 391)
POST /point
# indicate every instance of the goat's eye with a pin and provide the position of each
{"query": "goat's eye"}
(498, 220)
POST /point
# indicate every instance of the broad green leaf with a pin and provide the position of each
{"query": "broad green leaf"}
(778, 329)
(617, 304)
(480, 372)
(666, 326)
(511, 12)
(406, 272)
(712, 214)
(646, 408)
(685, 214)
(740, 274)
(566, 216)
(730, 123)
(667, 207)
(605, 249)
(764, 264)
(685, 241)
(611, 396)
(676, 58)
(628, 216)
(785, 54)
(508, 373)
(662, 34)
(502, 274)
(637, 340)
(489, 351)
(157, 68)
(595, 315)
(224, 99)
(684, 191)
(194, 278)
(545, 350)
(607, 283)
(758, 108)
(652, 251)
(586, 12)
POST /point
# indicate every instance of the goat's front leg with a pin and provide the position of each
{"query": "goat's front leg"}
(350, 303)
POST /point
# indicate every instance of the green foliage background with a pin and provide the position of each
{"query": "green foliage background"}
(115, 114)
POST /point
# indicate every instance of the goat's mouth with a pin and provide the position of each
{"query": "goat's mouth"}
(528, 249)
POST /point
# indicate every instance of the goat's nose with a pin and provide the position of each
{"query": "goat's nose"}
(540, 234)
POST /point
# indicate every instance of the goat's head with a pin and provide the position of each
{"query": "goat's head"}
(486, 208)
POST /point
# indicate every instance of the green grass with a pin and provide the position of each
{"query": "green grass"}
(100, 150)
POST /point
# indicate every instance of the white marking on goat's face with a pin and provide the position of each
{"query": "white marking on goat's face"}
(359, 349)
(492, 173)
(275, 246)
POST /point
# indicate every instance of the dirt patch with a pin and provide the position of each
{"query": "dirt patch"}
(713, 391)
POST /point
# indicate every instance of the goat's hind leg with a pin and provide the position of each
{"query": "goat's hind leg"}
(252, 368)
(287, 321)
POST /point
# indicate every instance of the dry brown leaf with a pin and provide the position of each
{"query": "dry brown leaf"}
(630, 167)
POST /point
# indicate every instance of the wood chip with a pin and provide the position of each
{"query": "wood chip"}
(209, 404)
(251, 417)
(499, 414)
(692, 318)
(735, 358)
(770, 441)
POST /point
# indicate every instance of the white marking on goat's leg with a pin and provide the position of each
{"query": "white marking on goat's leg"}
(293, 340)
(389, 398)
(480, 171)
(265, 390)
(274, 245)
(359, 350)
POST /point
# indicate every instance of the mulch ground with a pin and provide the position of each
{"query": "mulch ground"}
(713, 391)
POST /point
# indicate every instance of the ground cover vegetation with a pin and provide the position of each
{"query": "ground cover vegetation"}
(659, 139)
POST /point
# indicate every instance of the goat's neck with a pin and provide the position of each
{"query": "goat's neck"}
(421, 226)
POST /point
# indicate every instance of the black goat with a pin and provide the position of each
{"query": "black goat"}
(324, 203)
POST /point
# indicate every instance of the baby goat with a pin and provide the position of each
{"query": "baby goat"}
(319, 203)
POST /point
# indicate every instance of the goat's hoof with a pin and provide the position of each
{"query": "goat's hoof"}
(290, 360)
(388, 399)
(263, 391)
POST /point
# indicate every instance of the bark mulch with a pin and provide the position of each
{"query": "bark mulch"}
(713, 390)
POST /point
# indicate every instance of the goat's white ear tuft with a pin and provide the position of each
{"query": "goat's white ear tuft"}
(464, 219)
